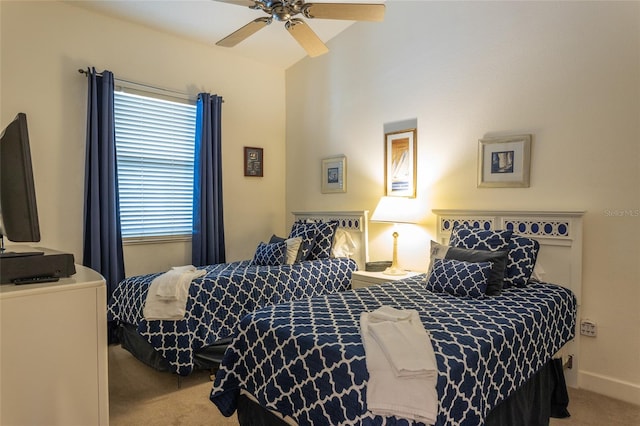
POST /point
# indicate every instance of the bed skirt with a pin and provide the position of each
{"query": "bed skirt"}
(206, 358)
(542, 397)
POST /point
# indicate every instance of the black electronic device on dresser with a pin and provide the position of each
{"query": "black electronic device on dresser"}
(19, 214)
(29, 265)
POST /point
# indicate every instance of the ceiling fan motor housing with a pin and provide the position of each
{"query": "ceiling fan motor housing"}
(282, 10)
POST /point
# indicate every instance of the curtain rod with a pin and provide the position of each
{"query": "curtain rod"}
(182, 94)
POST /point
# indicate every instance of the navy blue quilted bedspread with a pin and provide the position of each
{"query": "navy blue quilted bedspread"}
(305, 358)
(218, 300)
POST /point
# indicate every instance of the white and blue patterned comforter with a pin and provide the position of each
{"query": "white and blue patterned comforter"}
(305, 358)
(218, 300)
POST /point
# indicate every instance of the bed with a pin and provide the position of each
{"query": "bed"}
(220, 295)
(499, 358)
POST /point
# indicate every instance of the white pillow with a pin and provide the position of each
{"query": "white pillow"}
(343, 244)
(293, 245)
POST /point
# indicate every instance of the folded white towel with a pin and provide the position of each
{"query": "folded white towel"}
(387, 313)
(169, 283)
(408, 389)
(184, 268)
(168, 293)
(407, 347)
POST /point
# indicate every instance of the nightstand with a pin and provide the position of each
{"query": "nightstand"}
(361, 279)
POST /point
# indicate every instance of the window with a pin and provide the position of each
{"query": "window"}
(155, 153)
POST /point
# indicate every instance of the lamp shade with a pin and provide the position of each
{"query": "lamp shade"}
(395, 210)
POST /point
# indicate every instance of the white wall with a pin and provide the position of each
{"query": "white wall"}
(43, 46)
(566, 72)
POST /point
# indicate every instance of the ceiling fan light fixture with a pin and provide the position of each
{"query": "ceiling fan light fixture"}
(281, 13)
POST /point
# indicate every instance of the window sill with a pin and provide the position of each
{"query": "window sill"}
(156, 240)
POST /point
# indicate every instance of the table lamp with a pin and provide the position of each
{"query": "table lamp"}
(394, 210)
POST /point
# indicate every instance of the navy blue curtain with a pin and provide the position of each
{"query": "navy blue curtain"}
(102, 247)
(208, 223)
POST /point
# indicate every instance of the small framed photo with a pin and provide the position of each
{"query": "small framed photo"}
(504, 162)
(253, 161)
(400, 163)
(334, 175)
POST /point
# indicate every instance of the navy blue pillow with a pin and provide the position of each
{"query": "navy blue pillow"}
(459, 278)
(308, 232)
(293, 247)
(270, 254)
(275, 239)
(498, 261)
(521, 261)
(324, 239)
(468, 237)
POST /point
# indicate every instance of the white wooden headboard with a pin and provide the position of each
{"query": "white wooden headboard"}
(559, 260)
(355, 223)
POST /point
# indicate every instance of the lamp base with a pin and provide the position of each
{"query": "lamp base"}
(394, 271)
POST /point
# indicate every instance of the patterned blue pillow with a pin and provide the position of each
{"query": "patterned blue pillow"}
(459, 278)
(497, 258)
(293, 247)
(308, 232)
(270, 254)
(468, 237)
(324, 240)
(522, 257)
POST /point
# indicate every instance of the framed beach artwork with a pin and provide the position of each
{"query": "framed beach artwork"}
(400, 163)
(334, 175)
(504, 162)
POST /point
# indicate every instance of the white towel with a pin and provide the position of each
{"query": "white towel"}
(407, 389)
(408, 349)
(169, 284)
(387, 313)
(168, 293)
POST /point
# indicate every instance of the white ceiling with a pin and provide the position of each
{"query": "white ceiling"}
(208, 21)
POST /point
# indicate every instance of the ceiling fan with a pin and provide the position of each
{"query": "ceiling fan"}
(287, 10)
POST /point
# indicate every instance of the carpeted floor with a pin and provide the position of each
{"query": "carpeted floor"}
(591, 409)
(139, 395)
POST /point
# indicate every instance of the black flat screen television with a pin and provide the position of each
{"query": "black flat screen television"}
(18, 209)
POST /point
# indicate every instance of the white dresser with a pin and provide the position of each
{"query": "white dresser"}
(53, 352)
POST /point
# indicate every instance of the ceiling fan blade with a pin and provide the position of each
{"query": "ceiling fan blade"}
(244, 32)
(246, 3)
(348, 11)
(305, 36)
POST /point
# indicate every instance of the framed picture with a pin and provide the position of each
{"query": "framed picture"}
(334, 175)
(504, 162)
(400, 163)
(253, 161)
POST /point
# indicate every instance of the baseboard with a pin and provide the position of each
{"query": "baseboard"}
(618, 389)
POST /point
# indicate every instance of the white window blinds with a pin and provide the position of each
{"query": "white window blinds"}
(155, 153)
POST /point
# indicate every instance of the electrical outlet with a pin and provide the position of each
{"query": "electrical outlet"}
(588, 328)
